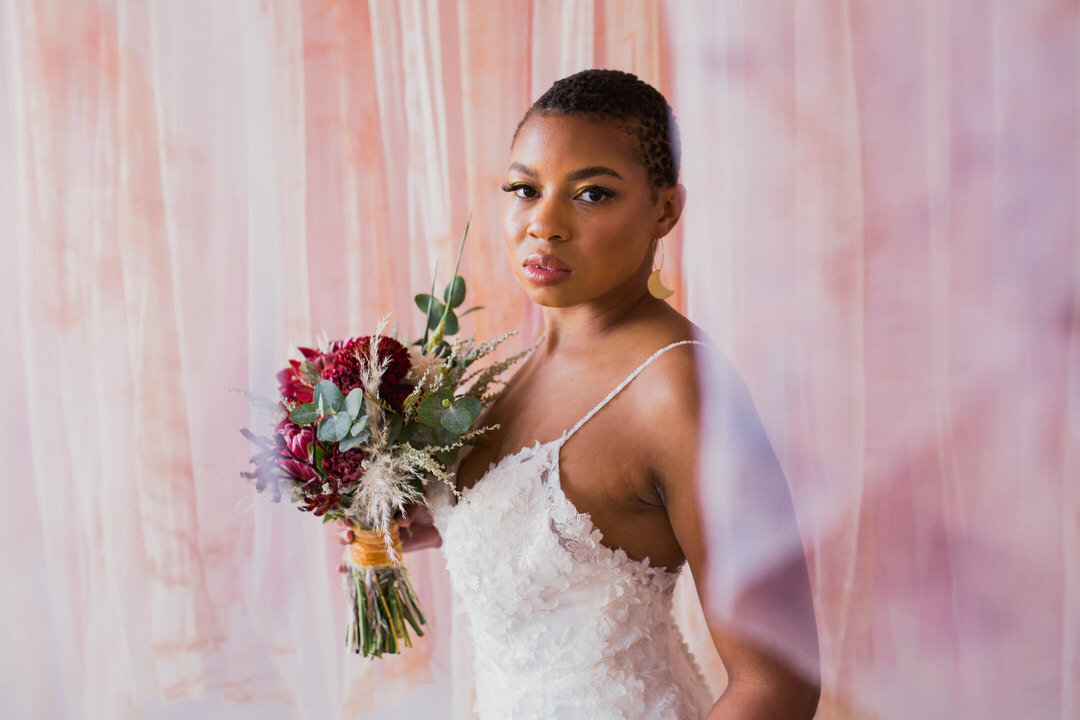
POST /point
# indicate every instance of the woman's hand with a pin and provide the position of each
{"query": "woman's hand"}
(418, 531)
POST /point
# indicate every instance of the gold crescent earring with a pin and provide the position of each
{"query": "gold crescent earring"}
(656, 286)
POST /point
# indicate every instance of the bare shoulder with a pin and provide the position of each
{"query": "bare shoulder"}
(666, 398)
(669, 389)
(668, 405)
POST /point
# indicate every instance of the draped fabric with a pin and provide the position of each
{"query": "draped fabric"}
(882, 235)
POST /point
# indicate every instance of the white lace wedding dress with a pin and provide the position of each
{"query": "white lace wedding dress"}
(563, 627)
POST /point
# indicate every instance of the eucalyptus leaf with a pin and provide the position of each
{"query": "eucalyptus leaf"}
(454, 294)
(435, 313)
(431, 407)
(447, 459)
(422, 301)
(354, 402)
(340, 424)
(326, 429)
(444, 436)
(359, 426)
(331, 396)
(353, 441)
(456, 420)
(452, 327)
(304, 414)
(393, 430)
(470, 405)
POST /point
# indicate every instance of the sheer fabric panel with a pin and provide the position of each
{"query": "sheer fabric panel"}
(881, 234)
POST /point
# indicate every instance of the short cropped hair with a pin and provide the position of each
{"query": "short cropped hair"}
(619, 97)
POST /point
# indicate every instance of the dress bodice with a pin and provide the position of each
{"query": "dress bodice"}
(563, 627)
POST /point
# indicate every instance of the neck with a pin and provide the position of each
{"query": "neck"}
(581, 326)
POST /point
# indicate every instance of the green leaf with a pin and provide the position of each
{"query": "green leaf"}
(426, 307)
(354, 403)
(353, 441)
(332, 398)
(394, 429)
(334, 428)
(434, 315)
(422, 301)
(454, 294)
(446, 459)
(341, 424)
(452, 327)
(304, 414)
(359, 426)
(470, 405)
(456, 420)
(326, 429)
(431, 407)
(408, 433)
(474, 308)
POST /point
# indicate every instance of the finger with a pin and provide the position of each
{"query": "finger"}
(421, 538)
(417, 512)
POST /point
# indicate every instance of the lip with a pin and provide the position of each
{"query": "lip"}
(545, 269)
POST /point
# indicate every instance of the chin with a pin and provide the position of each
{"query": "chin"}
(548, 297)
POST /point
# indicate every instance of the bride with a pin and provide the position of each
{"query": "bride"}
(576, 515)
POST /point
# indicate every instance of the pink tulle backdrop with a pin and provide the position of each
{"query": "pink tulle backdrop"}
(881, 233)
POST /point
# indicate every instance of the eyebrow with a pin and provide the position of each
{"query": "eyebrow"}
(580, 174)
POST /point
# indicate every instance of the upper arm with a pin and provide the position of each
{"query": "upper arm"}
(729, 507)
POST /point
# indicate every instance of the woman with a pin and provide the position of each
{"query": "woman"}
(577, 513)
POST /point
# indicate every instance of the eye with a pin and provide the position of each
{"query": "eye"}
(594, 194)
(523, 191)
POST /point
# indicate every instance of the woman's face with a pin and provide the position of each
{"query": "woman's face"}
(581, 217)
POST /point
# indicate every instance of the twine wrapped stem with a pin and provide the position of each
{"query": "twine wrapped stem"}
(369, 549)
(383, 605)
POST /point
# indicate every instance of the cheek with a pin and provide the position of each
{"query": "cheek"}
(513, 224)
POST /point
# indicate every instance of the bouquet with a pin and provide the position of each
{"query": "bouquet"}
(365, 425)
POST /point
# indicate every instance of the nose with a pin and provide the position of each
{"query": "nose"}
(549, 221)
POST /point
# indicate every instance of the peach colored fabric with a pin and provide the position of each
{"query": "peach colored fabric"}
(881, 234)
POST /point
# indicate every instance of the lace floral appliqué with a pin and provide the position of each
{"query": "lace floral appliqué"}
(563, 627)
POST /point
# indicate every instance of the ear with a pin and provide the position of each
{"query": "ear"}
(669, 205)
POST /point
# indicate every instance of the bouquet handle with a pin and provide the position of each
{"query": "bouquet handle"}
(382, 603)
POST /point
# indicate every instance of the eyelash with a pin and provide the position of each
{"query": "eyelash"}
(514, 187)
(604, 192)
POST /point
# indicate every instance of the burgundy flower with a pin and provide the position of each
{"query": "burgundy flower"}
(395, 395)
(298, 440)
(320, 504)
(342, 467)
(345, 377)
(340, 470)
(298, 470)
(355, 354)
(292, 385)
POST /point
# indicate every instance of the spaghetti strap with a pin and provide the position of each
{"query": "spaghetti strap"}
(568, 434)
